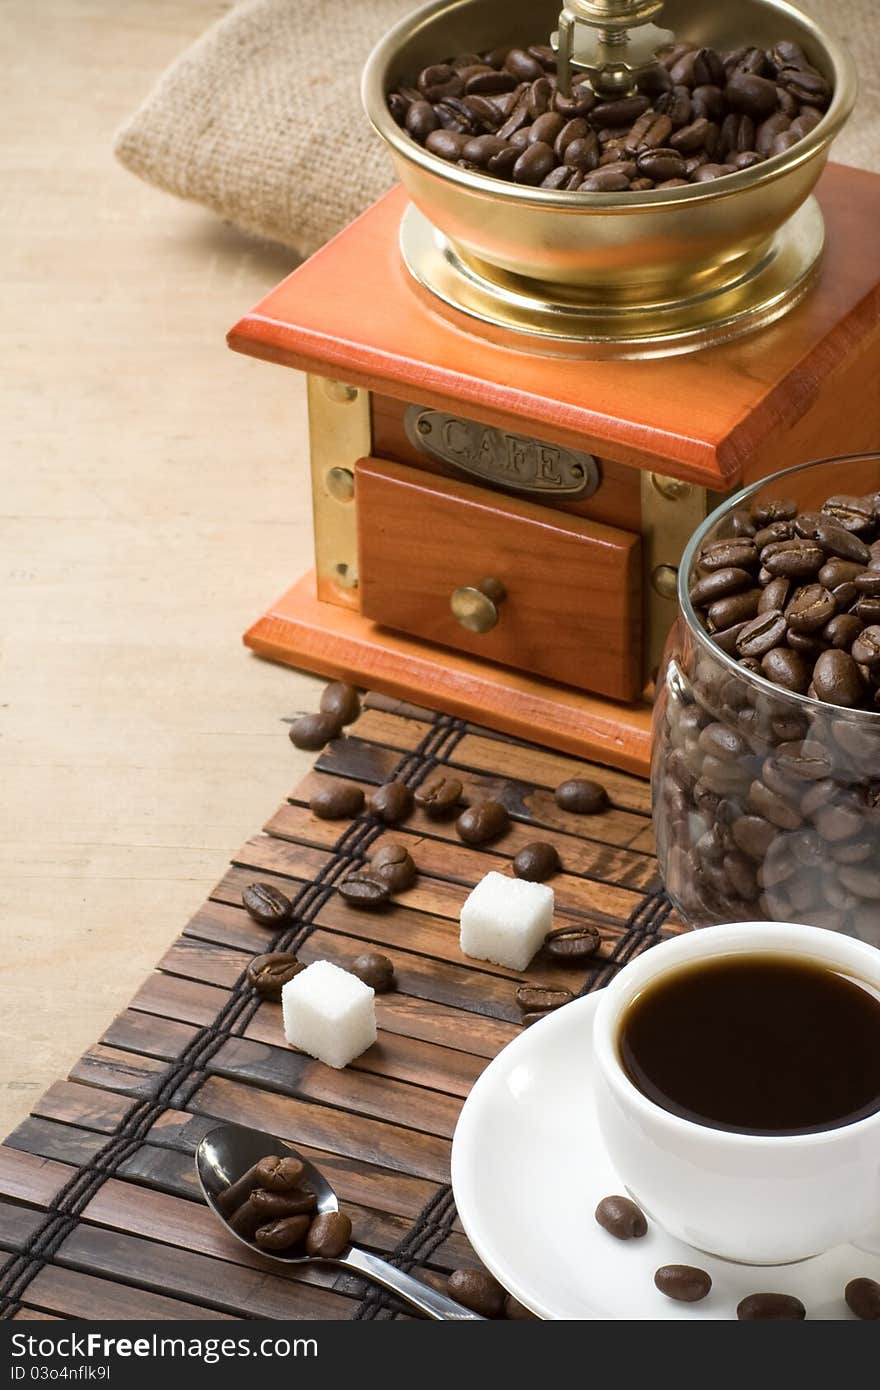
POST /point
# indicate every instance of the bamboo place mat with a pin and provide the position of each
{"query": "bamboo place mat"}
(99, 1206)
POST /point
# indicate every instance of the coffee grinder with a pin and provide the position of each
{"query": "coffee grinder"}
(522, 402)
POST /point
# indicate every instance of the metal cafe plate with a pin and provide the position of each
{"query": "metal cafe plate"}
(513, 461)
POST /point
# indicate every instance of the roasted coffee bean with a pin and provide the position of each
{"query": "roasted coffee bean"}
(515, 1311)
(684, 1283)
(582, 153)
(266, 904)
(313, 731)
(737, 553)
(524, 67)
(276, 1174)
(394, 865)
(753, 835)
(329, 1235)
(762, 633)
(620, 1217)
(269, 973)
(795, 559)
(866, 647)
(446, 144)
(337, 801)
(534, 164)
(720, 583)
(375, 970)
(391, 803)
(542, 998)
(363, 890)
(837, 679)
(275, 1206)
(582, 796)
(660, 164)
(477, 1290)
(341, 701)
(837, 540)
(787, 668)
(863, 1298)
(283, 1234)
(773, 807)
(546, 128)
(809, 608)
(623, 111)
(608, 180)
(573, 943)
(481, 824)
(694, 136)
(855, 514)
(752, 95)
(736, 608)
(536, 862)
(765, 1307)
(439, 796)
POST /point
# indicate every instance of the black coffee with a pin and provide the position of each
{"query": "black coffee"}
(757, 1044)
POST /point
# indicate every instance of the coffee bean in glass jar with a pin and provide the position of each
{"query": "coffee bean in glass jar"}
(697, 115)
(766, 773)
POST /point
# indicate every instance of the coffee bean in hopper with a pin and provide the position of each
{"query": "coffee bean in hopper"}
(365, 892)
(314, 731)
(337, 801)
(439, 796)
(684, 1283)
(375, 970)
(391, 803)
(270, 973)
(863, 1298)
(341, 701)
(393, 864)
(479, 825)
(266, 904)
(621, 1218)
(771, 1307)
(477, 1290)
(536, 861)
(582, 796)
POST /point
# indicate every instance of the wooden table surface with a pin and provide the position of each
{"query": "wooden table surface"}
(153, 502)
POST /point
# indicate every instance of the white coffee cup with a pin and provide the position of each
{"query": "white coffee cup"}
(756, 1199)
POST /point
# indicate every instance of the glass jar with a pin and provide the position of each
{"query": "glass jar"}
(766, 802)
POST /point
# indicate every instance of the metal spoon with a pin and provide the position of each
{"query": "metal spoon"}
(226, 1153)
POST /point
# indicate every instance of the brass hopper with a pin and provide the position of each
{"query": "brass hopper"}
(599, 273)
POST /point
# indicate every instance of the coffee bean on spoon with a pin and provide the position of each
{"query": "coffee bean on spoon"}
(536, 862)
(582, 796)
(273, 1172)
(337, 801)
(621, 1218)
(573, 943)
(314, 731)
(282, 1234)
(266, 904)
(684, 1283)
(483, 823)
(477, 1290)
(328, 1235)
(341, 701)
(270, 973)
(375, 970)
(391, 803)
(394, 865)
(771, 1307)
(863, 1298)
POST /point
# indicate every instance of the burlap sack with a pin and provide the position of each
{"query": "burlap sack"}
(260, 120)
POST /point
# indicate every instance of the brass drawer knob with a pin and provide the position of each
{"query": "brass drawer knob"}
(475, 606)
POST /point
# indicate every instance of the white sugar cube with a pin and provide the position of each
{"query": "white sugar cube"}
(505, 920)
(329, 1013)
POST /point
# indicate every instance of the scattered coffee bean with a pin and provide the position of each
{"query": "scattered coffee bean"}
(374, 970)
(542, 998)
(515, 1311)
(270, 973)
(477, 1290)
(481, 824)
(573, 943)
(266, 904)
(313, 731)
(684, 1283)
(533, 1016)
(582, 796)
(537, 861)
(767, 1307)
(364, 891)
(337, 801)
(621, 1218)
(341, 701)
(329, 1234)
(391, 803)
(439, 796)
(393, 864)
(283, 1234)
(863, 1298)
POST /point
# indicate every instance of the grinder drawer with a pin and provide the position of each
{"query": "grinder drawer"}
(558, 596)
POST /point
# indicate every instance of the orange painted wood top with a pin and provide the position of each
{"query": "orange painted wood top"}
(352, 312)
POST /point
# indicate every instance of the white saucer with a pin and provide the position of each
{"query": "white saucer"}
(528, 1168)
